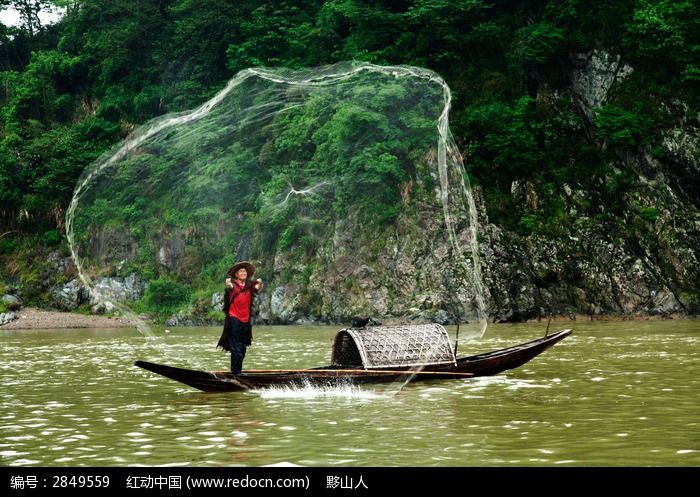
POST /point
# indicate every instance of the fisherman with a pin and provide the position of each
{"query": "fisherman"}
(238, 301)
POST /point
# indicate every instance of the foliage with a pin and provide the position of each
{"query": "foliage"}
(70, 91)
(163, 295)
(622, 129)
(649, 213)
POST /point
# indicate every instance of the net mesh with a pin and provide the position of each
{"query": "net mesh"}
(295, 170)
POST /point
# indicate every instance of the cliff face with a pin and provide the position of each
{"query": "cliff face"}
(646, 262)
(653, 270)
(400, 273)
(642, 262)
(404, 275)
(636, 253)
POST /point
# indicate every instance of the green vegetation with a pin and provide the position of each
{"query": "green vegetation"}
(70, 91)
(649, 214)
(165, 296)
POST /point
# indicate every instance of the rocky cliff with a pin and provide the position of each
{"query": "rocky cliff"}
(636, 253)
(640, 260)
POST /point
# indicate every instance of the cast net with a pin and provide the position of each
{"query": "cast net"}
(343, 182)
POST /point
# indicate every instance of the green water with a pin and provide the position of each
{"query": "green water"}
(624, 393)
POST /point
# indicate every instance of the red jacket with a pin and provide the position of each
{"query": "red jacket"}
(239, 300)
(231, 303)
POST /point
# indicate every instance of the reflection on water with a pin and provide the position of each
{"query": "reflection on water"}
(611, 394)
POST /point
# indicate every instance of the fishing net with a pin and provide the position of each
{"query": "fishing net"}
(329, 178)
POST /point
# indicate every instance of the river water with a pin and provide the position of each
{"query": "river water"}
(613, 394)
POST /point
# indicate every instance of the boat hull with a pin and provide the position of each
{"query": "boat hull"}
(486, 364)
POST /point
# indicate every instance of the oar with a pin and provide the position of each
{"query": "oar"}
(546, 332)
(457, 337)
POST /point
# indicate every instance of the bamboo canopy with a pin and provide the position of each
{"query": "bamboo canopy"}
(381, 347)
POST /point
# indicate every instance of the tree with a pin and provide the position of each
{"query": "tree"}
(29, 11)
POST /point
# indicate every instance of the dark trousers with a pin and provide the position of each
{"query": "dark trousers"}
(238, 341)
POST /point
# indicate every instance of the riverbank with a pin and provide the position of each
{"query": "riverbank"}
(30, 318)
(558, 318)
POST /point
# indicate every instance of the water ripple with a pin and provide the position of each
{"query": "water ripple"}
(606, 396)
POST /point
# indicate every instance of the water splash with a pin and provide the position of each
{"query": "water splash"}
(308, 391)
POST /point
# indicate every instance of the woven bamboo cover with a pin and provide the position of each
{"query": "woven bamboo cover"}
(393, 346)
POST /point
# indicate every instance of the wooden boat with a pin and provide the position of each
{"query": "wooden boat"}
(356, 361)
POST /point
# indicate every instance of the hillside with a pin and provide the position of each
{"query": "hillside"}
(578, 122)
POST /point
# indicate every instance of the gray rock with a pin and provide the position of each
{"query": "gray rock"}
(683, 142)
(102, 296)
(170, 253)
(593, 76)
(175, 320)
(61, 265)
(105, 307)
(442, 317)
(121, 290)
(217, 301)
(185, 318)
(67, 297)
(12, 302)
(282, 304)
(6, 317)
(664, 302)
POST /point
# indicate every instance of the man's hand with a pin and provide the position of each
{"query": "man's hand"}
(258, 284)
(229, 283)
